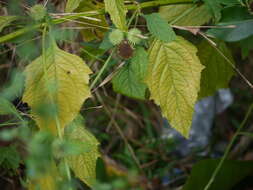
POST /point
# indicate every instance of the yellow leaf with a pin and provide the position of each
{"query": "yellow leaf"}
(173, 78)
(56, 87)
(48, 181)
(117, 11)
(83, 165)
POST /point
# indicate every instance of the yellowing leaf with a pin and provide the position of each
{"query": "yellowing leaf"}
(194, 16)
(218, 71)
(173, 78)
(47, 181)
(117, 11)
(72, 5)
(56, 87)
(83, 165)
(94, 29)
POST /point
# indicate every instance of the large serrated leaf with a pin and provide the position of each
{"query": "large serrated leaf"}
(218, 71)
(6, 20)
(173, 78)
(193, 16)
(129, 80)
(83, 165)
(159, 27)
(117, 11)
(59, 81)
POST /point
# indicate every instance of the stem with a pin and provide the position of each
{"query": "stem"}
(101, 71)
(218, 168)
(66, 18)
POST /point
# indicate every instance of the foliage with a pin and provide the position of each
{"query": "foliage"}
(173, 52)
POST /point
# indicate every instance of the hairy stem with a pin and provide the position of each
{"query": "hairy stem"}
(66, 18)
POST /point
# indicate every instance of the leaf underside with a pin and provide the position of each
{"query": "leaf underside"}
(173, 78)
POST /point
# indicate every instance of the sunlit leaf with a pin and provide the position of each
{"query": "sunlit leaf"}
(83, 165)
(173, 78)
(218, 71)
(117, 11)
(192, 15)
(56, 87)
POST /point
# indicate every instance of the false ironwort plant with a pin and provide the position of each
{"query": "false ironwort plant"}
(172, 52)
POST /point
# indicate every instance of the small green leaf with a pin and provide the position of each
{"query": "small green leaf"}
(117, 11)
(56, 88)
(215, 8)
(129, 80)
(9, 157)
(83, 165)
(159, 27)
(5, 21)
(173, 78)
(72, 5)
(196, 16)
(218, 71)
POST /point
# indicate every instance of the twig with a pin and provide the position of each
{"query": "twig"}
(218, 168)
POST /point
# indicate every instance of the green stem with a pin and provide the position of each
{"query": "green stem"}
(101, 70)
(66, 18)
(218, 168)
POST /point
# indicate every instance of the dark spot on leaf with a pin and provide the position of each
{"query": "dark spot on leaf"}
(68, 72)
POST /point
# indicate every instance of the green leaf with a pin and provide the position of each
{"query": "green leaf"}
(194, 16)
(9, 157)
(117, 11)
(83, 165)
(230, 174)
(246, 46)
(129, 80)
(72, 5)
(218, 71)
(56, 88)
(242, 30)
(6, 107)
(5, 21)
(159, 27)
(173, 78)
(215, 8)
